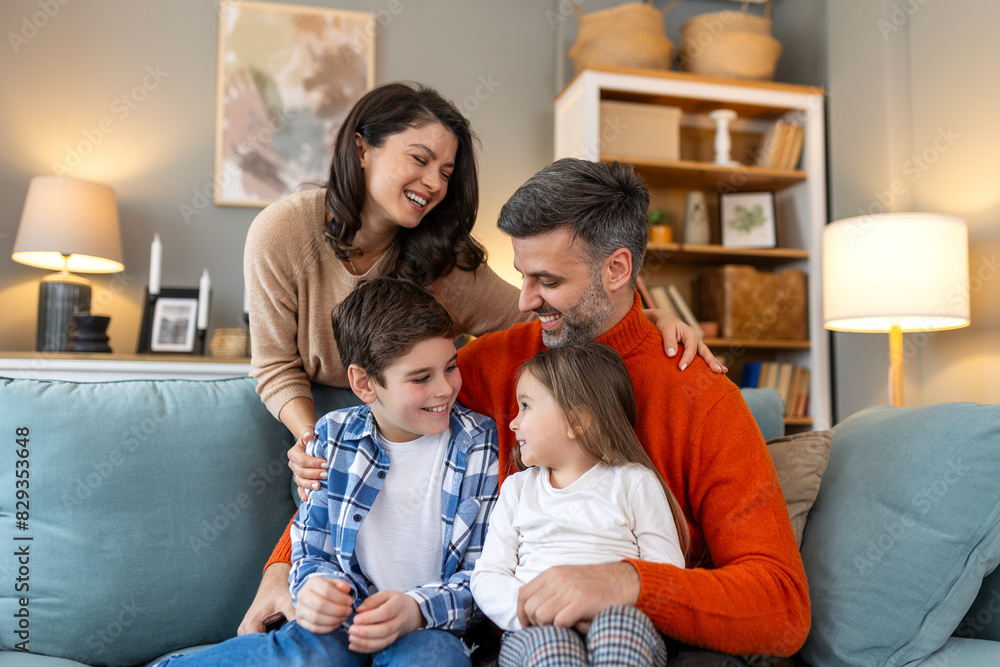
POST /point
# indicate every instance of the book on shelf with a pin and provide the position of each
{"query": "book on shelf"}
(789, 380)
(683, 309)
(644, 295)
(781, 145)
(662, 301)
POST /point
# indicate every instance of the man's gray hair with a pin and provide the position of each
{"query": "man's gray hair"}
(606, 205)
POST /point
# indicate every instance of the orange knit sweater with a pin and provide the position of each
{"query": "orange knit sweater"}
(745, 591)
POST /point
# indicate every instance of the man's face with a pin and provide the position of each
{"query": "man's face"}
(562, 285)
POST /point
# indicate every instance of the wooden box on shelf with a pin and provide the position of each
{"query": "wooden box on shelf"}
(640, 131)
(753, 304)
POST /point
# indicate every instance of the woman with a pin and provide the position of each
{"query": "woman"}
(401, 201)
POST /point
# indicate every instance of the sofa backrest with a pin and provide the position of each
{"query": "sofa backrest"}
(144, 510)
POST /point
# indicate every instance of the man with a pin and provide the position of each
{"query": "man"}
(579, 232)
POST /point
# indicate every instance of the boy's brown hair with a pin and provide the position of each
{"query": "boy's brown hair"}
(382, 319)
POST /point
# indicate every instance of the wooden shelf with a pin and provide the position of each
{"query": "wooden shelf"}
(799, 193)
(757, 344)
(701, 175)
(717, 254)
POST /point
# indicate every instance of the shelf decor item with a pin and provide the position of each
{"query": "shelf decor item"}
(66, 225)
(894, 273)
(660, 226)
(174, 318)
(628, 35)
(287, 77)
(730, 44)
(89, 333)
(747, 219)
(696, 227)
(755, 305)
(723, 142)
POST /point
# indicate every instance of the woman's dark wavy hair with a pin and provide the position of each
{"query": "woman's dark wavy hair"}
(442, 241)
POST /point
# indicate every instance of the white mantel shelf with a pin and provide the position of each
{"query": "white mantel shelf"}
(96, 367)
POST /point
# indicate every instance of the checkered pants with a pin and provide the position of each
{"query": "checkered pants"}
(618, 636)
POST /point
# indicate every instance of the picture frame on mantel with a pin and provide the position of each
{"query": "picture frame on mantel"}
(169, 322)
(747, 219)
(287, 77)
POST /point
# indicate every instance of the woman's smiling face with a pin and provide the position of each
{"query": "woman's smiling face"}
(407, 176)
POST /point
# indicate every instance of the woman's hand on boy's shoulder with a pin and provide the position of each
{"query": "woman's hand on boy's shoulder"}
(382, 619)
(307, 470)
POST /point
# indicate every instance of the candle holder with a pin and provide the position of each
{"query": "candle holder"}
(723, 142)
(146, 324)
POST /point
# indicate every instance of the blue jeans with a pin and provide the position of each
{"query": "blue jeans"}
(294, 645)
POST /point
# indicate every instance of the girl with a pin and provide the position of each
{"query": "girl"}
(590, 496)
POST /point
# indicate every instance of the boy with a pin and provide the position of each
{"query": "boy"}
(387, 545)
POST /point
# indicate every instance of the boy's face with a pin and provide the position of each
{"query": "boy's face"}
(419, 389)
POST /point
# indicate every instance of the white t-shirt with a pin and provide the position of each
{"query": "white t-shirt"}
(399, 544)
(609, 513)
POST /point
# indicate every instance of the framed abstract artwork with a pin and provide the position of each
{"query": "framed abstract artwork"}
(287, 77)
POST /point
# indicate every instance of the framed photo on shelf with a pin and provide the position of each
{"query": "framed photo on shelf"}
(287, 77)
(172, 320)
(747, 219)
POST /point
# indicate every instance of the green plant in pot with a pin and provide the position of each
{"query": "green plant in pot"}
(660, 226)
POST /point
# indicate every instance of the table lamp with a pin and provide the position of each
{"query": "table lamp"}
(67, 225)
(895, 273)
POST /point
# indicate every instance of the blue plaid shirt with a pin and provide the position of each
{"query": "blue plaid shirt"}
(325, 530)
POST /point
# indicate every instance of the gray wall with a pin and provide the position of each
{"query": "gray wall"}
(901, 73)
(61, 83)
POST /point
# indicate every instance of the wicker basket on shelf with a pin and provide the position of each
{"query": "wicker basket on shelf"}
(628, 35)
(730, 44)
(230, 343)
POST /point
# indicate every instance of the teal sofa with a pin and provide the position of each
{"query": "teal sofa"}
(139, 515)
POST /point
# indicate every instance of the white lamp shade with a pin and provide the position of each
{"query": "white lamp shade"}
(898, 269)
(68, 217)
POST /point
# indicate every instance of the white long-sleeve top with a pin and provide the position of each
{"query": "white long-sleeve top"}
(609, 513)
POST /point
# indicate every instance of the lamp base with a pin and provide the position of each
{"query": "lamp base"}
(59, 296)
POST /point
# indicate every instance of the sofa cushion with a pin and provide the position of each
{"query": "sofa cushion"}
(982, 621)
(153, 507)
(903, 531)
(768, 410)
(800, 461)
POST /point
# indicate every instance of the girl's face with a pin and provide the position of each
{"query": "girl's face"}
(543, 433)
(407, 176)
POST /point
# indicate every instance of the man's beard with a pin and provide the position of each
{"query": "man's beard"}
(583, 322)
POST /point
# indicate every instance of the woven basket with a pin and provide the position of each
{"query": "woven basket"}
(629, 35)
(230, 343)
(730, 44)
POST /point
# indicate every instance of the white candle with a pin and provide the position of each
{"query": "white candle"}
(204, 287)
(155, 262)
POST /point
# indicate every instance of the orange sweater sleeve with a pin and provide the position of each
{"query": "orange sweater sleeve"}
(283, 550)
(749, 592)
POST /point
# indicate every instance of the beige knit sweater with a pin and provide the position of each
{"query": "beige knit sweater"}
(294, 281)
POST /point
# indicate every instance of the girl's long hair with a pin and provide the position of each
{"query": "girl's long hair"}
(442, 241)
(592, 386)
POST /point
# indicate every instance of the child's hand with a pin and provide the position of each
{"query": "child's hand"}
(323, 604)
(382, 619)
